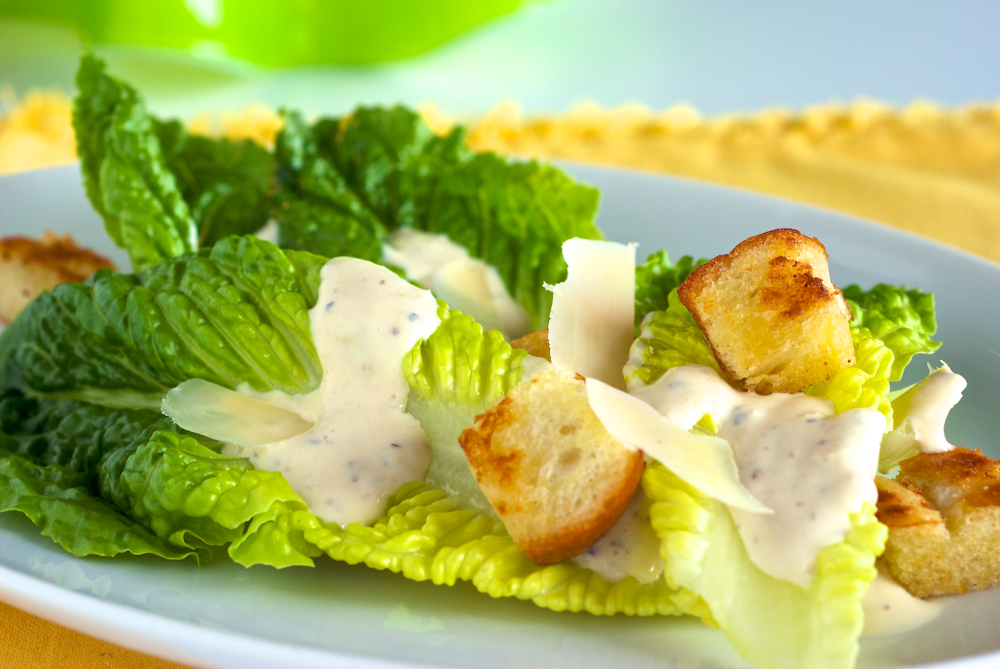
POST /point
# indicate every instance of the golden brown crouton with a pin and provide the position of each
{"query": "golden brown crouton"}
(552, 472)
(536, 344)
(943, 515)
(773, 317)
(30, 266)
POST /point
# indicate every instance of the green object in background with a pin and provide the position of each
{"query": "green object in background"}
(270, 32)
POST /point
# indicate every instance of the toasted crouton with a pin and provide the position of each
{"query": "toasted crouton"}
(943, 516)
(552, 472)
(773, 317)
(536, 344)
(30, 266)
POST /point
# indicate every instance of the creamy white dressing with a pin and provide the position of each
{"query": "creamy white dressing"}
(465, 283)
(363, 444)
(794, 455)
(927, 408)
(890, 609)
(630, 547)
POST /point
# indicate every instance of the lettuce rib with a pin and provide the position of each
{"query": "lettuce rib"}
(770, 623)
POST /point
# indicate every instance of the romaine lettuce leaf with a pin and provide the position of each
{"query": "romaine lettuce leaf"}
(124, 170)
(162, 193)
(656, 279)
(444, 537)
(135, 486)
(902, 319)
(83, 371)
(770, 623)
(237, 313)
(75, 435)
(319, 211)
(225, 183)
(194, 497)
(816, 626)
(427, 535)
(865, 384)
(347, 183)
(57, 500)
(456, 374)
(669, 338)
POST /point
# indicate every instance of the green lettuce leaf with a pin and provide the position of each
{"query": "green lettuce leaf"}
(391, 159)
(902, 319)
(454, 375)
(319, 211)
(74, 435)
(427, 535)
(225, 183)
(161, 192)
(194, 497)
(668, 339)
(865, 384)
(770, 623)
(237, 313)
(83, 371)
(57, 500)
(346, 184)
(124, 170)
(656, 279)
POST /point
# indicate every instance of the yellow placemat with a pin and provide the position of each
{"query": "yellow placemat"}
(923, 169)
(28, 642)
(931, 171)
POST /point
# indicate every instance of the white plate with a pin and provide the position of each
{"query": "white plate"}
(342, 616)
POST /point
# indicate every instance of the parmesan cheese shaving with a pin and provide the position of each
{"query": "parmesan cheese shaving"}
(228, 416)
(592, 322)
(705, 462)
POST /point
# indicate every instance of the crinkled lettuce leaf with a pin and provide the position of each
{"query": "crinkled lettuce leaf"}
(346, 184)
(902, 319)
(656, 279)
(770, 622)
(237, 313)
(124, 171)
(225, 183)
(58, 500)
(83, 371)
(161, 192)
(669, 338)
(454, 375)
(194, 497)
(428, 535)
(865, 384)
(75, 435)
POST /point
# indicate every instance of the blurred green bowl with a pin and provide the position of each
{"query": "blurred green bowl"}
(270, 32)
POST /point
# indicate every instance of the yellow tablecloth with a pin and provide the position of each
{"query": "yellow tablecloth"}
(931, 171)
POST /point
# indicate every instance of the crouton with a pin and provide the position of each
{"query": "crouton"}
(30, 266)
(536, 344)
(771, 314)
(552, 472)
(943, 515)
